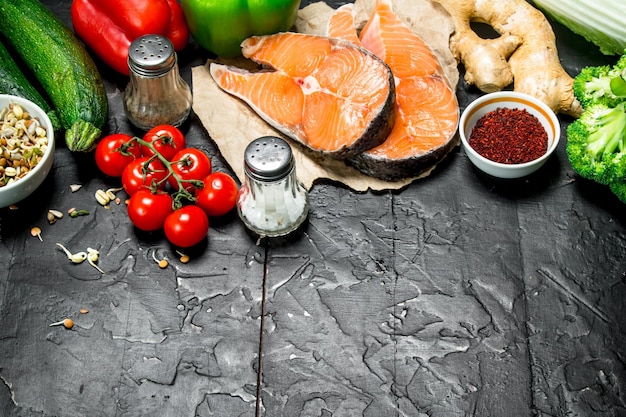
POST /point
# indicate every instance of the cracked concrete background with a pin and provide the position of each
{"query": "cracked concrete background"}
(457, 296)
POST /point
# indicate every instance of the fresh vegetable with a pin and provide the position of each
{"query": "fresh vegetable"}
(167, 140)
(144, 173)
(13, 81)
(167, 194)
(604, 83)
(600, 21)
(190, 165)
(62, 66)
(148, 210)
(218, 195)
(186, 226)
(221, 26)
(596, 141)
(524, 54)
(114, 152)
(108, 27)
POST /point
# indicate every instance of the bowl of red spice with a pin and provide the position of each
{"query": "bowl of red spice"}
(507, 134)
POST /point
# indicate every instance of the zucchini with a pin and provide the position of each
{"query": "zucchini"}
(13, 81)
(63, 67)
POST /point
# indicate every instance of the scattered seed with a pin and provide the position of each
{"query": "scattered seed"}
(76, 258)
(75, 187)
(67, 323)
(163, 263)
(111, 192)
(184, 258)
(36, 232)
(83, 311)
(102, 197)
(12, 207)
(54, 215)
(75, 213)
(92, 258)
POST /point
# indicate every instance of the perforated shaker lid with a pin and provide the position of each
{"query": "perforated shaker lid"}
(268, 158)
(151, 55)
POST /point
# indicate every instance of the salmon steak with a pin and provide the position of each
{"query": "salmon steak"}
(426, 107)
(332, 96)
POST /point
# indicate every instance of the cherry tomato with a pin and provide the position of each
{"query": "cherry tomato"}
(112, 154)
(134, 178)
(219, 194)
(190, 164)
(148, 211)
(186, 226)
(166, 139)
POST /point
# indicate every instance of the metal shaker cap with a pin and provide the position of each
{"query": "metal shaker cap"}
(268, 158)
(151, 55)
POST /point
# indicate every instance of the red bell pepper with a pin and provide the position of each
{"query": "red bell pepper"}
(108, 27)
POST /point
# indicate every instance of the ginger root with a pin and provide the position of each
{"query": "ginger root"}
(524, 54)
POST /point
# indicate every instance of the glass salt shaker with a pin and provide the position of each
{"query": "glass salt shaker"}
(156, 93)
(271, 202)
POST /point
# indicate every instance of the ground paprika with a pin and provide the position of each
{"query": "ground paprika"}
(509, 136)
(221, 26)
(108, 27)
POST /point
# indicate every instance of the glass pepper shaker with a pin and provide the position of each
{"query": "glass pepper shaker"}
(271, 202)
(156, 93)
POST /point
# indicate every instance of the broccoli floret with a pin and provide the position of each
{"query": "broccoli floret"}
(601, 84)
(596, 143)
(619, 189)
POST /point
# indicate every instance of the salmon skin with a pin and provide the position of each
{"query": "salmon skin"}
(330, 95)
(427, 111)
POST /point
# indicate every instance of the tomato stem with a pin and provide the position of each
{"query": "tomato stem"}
(182, 193)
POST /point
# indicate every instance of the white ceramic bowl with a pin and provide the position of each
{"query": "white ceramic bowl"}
(22, 188)
(508, 99)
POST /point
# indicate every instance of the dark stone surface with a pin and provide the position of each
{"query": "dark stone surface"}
(457, 296)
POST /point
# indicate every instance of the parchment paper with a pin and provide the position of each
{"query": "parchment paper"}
(232, 124)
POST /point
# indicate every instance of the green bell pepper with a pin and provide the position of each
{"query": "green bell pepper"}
(221, 25)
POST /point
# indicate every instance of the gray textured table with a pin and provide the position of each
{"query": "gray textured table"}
(457, 296)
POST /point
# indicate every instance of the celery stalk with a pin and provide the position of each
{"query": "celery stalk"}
(601, 22)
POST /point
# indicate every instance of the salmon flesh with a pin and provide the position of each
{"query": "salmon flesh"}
(426, 107)
(330, 95)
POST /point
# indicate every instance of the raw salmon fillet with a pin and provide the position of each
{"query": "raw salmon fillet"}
(328, 94)
(427, 111)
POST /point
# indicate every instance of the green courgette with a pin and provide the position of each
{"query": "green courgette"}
(62, 66)
(14, 82)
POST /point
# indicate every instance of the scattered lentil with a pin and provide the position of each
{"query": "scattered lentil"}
(184, 258)
(67, 323)
(36, 232)
(163, 263)
(509, 136)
